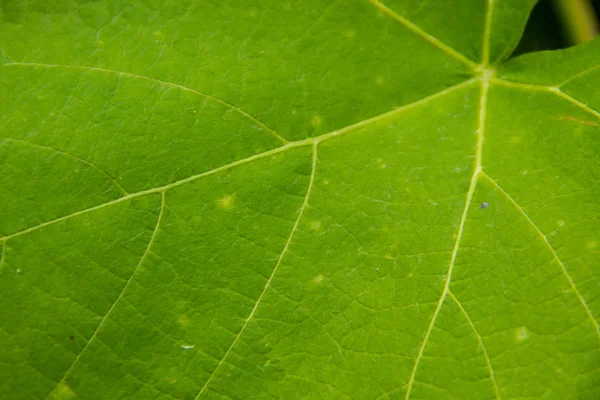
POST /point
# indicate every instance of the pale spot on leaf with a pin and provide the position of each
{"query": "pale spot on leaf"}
(63, 392)
(521, 334)
(226, 202)
(315, 225)
(317, 121)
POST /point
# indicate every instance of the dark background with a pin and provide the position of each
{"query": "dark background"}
(544, 30)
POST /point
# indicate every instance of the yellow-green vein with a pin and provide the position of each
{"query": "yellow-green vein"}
(268, 283)
(112, 307)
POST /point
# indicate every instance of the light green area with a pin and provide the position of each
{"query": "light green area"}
(295, 199)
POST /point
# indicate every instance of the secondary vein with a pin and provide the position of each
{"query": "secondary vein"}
(281, 149)
(112, 307)
(74, 157)
(480, 340)
(268, 283)
(461, 226)
(552, 251)
(247, 115)
(423, 34)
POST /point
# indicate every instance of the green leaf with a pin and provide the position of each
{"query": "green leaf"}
(312, 199)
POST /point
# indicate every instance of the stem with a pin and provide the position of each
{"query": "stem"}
(578, 19)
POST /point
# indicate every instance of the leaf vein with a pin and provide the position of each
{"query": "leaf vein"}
(480, 340)
(577, 75)
(461, 226)
(277, 150)
(553, 89)
(91, 164)
(112, 307)
(268, 283)
(551, 248)
(232, 107)
(423, 34)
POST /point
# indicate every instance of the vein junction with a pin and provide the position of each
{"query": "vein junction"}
(485, 80)
(477, 169)
(288, 146)
(268, 284)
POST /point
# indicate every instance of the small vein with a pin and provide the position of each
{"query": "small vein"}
(459, 233)
(281, 149)
(160, 82)
(91, 164)
(481, 344)
(316, 23)
(423, 34)
(268, 283)
(577, 75)
(549, 246)
(3, 254)
(112, 307)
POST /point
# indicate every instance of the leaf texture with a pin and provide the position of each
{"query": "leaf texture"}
(314, 199)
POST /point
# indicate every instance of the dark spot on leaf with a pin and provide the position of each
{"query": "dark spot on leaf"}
(71, 338)
(484, 205)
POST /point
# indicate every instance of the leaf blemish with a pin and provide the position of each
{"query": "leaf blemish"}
(317, 121)
(315, 225)
(226, 202)
(579, 121)
(521, 334)
(485, 204)
(188, 346)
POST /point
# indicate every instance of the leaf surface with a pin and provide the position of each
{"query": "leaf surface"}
(316, 199)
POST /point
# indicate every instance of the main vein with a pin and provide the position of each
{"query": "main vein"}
(268, 283)
(459, 233)
(268, 153)
(112, 307)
